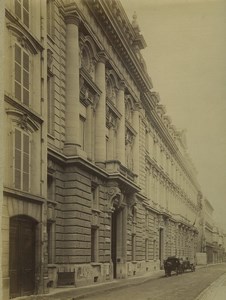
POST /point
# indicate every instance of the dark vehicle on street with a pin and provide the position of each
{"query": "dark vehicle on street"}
(187, 265)
(172, 264)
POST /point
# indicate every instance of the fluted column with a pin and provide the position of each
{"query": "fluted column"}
(121, 128)
(100, 144)
(72, 86)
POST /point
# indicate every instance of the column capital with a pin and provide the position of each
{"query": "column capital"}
(72, 19)
(101, 57)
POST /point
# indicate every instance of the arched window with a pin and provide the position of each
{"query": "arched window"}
(128, 111)
(87, 59)
(111, 93)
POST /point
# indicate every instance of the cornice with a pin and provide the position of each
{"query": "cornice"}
(105, 17)
(23, 195)
(23, 108)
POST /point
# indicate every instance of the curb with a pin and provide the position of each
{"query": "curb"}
(210, 292)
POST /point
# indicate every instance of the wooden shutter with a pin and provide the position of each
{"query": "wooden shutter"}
(18, 8)
(26, 12)
(18, 74)
(22, 75)
(25, 78)
(18, 158)
(22, 161)
(22, 11)
(26, 166)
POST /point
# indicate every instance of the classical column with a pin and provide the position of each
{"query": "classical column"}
(136, 146)
(100, 144)
(121, 128)
(72, 143)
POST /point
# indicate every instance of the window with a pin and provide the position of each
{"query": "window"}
(82, 132)
(50, 17)
(147, 141)
(146, 220)
(22, 11)
(22, 161)
(133, 247)
(50, 106)
(146, 249)
(95, 196)
(50, 187)
(22, 75)
(94, 244)
(51, 241)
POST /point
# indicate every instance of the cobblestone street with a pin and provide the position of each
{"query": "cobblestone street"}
(187, 287)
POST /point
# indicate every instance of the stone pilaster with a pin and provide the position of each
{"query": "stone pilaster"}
(121, 127)
(72, 143)
(100, 143)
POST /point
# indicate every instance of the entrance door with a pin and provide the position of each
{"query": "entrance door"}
(22, 256)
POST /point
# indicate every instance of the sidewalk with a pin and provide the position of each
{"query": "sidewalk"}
(75, 293)
(216, 291)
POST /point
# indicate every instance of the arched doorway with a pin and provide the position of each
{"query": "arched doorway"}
(22, 256)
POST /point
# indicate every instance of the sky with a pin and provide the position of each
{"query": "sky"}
(185, 57)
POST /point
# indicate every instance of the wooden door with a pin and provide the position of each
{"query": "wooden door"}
(22, 256)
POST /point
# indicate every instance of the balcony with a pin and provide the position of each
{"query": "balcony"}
(115, 167)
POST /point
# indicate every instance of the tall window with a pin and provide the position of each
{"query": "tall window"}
(133, 247)
(51, 242)
(95, 196)
(146, 249)
(50, 17)
(82, 132)
(50, 187)
(50, 100)
(94, 244)
(22, 161)
(22, 75)
(22, 11)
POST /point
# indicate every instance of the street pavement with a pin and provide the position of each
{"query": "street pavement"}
(216, 290)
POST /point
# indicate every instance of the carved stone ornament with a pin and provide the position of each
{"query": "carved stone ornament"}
(23, 122)
(115, 199)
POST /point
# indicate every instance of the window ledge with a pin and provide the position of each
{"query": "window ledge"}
(23, 195)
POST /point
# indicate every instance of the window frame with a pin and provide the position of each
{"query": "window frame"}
(94, 241)
(22, 69)
(21, 170)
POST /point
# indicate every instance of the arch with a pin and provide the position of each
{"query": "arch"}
(19, 207)
(129, 107)
(112, 85)
(90, 43)
(88, 52)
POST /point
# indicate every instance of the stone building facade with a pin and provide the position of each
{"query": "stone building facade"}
(212, 236)
(97, 181)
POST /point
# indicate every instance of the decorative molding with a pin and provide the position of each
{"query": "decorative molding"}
(23, 120)
(23, 33)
